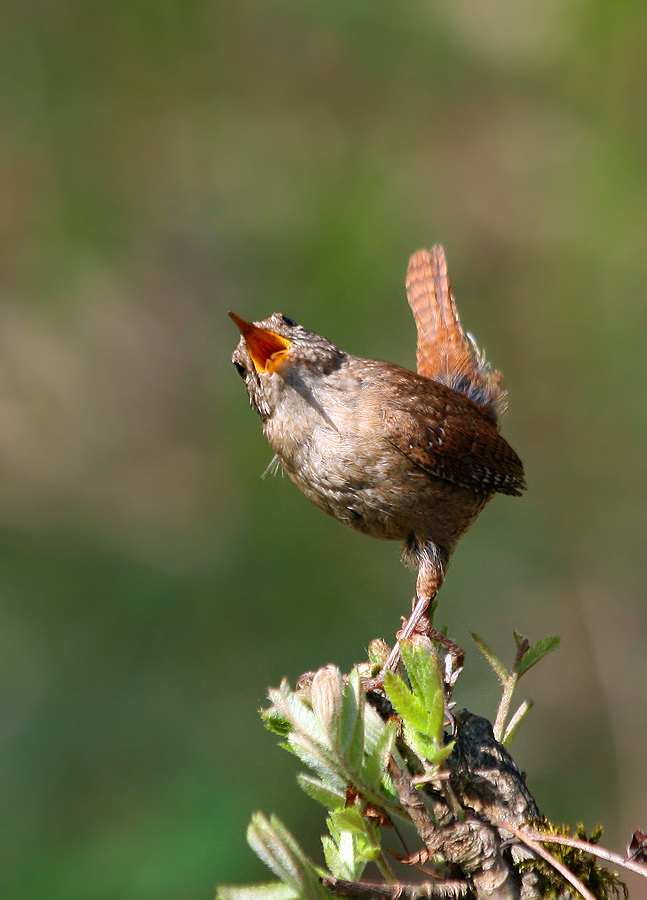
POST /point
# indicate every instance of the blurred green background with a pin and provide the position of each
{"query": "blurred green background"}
(163, 162)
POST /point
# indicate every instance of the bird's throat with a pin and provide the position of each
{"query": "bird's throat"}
(267, 349)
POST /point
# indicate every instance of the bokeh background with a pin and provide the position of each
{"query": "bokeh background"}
(163, 162)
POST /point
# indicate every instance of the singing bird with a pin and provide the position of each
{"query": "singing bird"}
(411, 456)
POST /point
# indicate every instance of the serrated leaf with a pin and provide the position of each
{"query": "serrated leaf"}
(326, 700)
(347, 819)
(387, 788)
(275, 722)
(378, 652)
(375, 763)
(348, 852)
(274, 844)
(320, 764)
(492, 658)
(356, 837)
(367, 849)
(422, 669)
(298, 714)
(274, 891)
(443, 752)
(342, 856)
(322, 752)
(537, 652)
(436, 715)
(322, 793)
(422, 719)
(373, 728)
(404, 702)
(352, 721)
(334, 859)
(425, 745)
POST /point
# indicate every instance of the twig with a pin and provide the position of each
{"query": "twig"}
(515, 722)
(593, 849)
(367, 890)
(413, 802)
(536, 847)
(509, 685)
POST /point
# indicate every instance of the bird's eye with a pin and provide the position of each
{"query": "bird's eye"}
(288, 321)
(242, 371)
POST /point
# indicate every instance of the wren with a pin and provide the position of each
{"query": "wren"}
(392, 453)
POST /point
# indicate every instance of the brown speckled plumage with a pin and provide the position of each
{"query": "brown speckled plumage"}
(389, 452)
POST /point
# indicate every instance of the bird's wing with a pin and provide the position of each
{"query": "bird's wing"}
(444, 351)
(450, 437)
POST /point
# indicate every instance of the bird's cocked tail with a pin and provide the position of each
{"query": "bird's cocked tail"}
(445, 353)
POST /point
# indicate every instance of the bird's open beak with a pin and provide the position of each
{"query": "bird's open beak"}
(265, 348)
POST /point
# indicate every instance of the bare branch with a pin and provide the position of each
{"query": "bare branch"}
(367, 890)
(593, 849)
(536, 847)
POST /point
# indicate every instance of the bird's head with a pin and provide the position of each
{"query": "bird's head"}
(278, 354)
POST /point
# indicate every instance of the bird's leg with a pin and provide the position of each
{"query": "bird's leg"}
(432, 562)
(431, 574)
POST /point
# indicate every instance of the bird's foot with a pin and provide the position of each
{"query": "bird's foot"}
(452, 659)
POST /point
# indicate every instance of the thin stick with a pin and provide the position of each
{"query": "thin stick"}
(565, 872)
(509, 685)
(368, 890)
(593, 849)
(515, 722)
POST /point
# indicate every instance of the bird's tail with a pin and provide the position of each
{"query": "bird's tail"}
(445, 353)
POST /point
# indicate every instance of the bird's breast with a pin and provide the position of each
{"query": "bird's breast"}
(335, 449)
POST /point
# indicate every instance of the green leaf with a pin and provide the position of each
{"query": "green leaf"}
(334, 859)
(275, 722)
(297, 713)
(443, 752)
(367, 848)
(422, 709)
(404, 702)
(343, 856)
(387, 789)
(492, 658)
(326, 701)
(274, 844)
(321, 792)
(274, 891)
(352, 721)
(347, 819)
(537, 652)
(424, 744)
(436, 716)
(317, 760)
(356, 838)
(422, 669)
(374, 726)
(377, 761)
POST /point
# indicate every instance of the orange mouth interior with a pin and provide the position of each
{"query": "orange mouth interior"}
(265, 348)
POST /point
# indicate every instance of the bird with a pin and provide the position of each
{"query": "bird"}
(395, 454)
